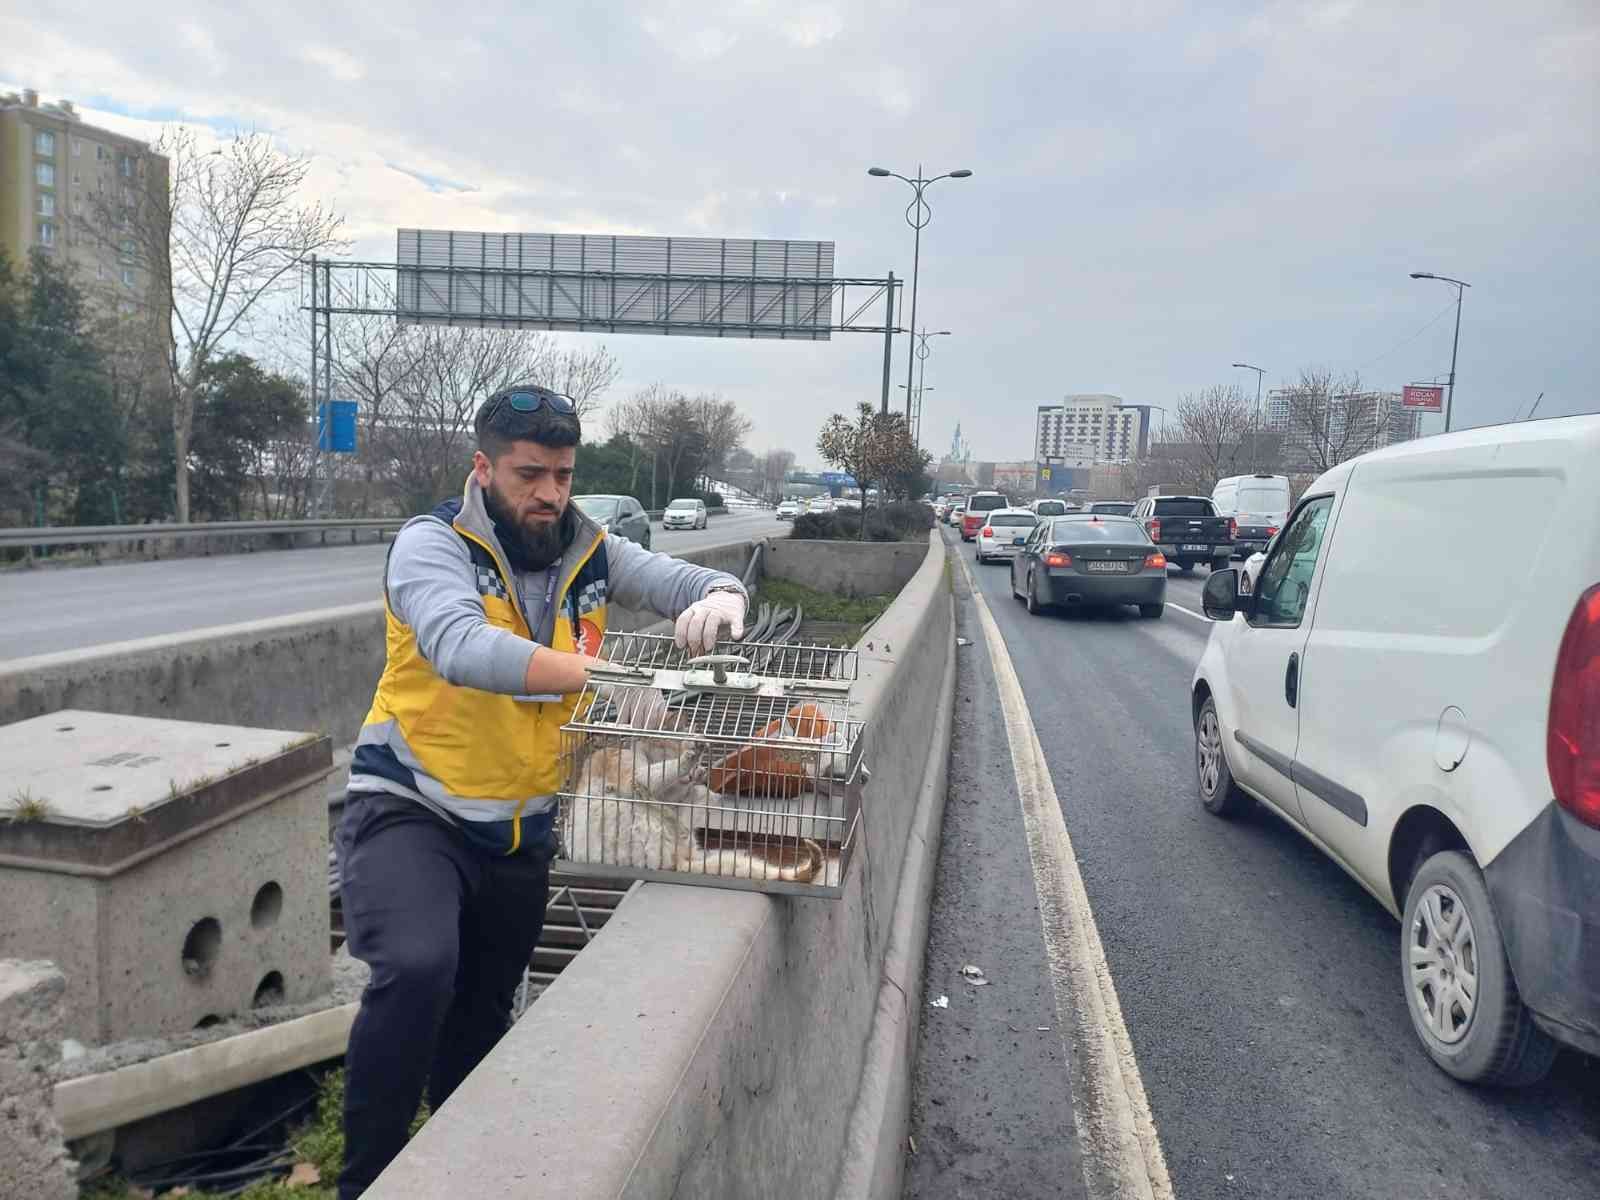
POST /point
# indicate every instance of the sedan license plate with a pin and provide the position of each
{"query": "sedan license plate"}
(1108, 567)
(1190, 546)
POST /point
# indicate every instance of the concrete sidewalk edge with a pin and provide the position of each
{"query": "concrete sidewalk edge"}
(874, 1156)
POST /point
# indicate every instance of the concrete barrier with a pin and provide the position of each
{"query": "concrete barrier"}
(846, 568)
(713, 1043)
(313, 670)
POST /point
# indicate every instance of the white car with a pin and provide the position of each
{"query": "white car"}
(685, 514)
(789, 510)
(1002, 533)
(820, 504)
(847, 504)
(1413, 684)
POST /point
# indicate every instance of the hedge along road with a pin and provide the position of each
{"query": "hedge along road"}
(1259, 985)
(52, 609)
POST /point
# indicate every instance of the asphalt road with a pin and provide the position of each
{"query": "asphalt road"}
(1259, 984)
(52, 609)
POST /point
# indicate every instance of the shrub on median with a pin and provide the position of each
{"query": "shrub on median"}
(899, 522)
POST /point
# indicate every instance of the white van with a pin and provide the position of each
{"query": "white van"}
(1414, 685)
(1258, 504)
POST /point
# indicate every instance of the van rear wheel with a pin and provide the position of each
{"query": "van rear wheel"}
(1460, 991)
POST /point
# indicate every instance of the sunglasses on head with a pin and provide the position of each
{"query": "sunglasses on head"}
(527, 402)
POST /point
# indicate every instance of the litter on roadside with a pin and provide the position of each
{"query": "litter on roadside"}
(939, 1002)
(974, 975)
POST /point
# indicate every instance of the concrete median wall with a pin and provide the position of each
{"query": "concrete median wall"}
(312, 671)
(846, 568)
(727, 1044)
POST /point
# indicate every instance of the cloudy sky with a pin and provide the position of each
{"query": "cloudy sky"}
(1159, 188)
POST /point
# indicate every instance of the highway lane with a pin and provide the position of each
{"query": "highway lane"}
(52, 609)
(1260, 985)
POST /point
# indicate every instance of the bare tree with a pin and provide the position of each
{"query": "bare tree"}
(678, 437)
(775, 468)
(376, 360)
(225, 238)
(638, 420)
(426, 434)
(723, 427)
(1331, 418)
(585, 375)
(1214, 424)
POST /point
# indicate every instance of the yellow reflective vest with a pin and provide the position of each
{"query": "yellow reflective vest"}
(489, 762)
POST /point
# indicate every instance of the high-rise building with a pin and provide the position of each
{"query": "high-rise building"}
(1403, 424)
(1115, 431)
(71, 190)
(1391, 422)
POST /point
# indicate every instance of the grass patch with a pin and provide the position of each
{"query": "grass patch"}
(320, 1142)
(821, 606)
(25, 806)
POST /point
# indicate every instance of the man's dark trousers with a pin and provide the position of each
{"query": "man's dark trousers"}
(447, 930)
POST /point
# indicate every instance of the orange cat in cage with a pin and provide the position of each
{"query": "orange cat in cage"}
(773, 772)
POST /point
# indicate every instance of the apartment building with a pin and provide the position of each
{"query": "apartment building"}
(1388, 422)
(72, 190)
(1115, 430)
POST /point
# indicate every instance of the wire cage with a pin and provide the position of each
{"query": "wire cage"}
(738, 769)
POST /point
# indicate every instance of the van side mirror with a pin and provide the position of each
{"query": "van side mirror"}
(1221, 599)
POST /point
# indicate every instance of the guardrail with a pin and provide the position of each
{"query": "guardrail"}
(100, 535)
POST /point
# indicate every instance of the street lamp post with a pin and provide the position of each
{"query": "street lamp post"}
(1460, 286)
(1255, 435)
(918, 214)
(923, 350)
(917, 418)
(1162, 410)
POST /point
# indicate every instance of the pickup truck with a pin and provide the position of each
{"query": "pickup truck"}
(1188, 530)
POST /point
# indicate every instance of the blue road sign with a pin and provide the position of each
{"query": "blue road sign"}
(336, 431)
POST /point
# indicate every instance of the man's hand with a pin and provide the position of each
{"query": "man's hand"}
(700, 625)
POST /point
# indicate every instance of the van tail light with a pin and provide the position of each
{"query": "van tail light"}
(1572, 737)
(1151, 561)
(1155, 529)
(1058, 558)
(1233, 529)
(1272, 531)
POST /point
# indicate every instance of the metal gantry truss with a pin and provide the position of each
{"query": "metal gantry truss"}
(593, 301)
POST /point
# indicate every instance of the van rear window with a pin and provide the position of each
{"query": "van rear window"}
(1263, 498)
(986, 503)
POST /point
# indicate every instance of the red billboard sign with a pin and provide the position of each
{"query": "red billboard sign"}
(1423, 396)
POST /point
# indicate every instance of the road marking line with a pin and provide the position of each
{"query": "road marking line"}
(1122, 1158)
(1191, 612)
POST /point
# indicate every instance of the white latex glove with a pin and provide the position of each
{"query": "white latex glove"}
(700, 625)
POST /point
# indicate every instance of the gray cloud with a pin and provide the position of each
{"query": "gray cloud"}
(1160, 188)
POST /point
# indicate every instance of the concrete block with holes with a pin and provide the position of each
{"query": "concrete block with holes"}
(175, 871)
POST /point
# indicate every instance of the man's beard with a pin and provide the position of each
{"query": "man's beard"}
(529, 545)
